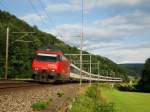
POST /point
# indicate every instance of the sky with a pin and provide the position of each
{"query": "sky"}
(116, 29)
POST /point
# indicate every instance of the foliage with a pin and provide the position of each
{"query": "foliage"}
(60, 94)
(39, 105)
(133, 69)
(144, 83)
(146, 72)
(20, 54)
(125, 87)
(91, 101)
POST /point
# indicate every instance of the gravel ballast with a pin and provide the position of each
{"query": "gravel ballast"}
(21, 99)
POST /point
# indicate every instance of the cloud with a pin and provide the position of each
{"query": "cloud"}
(90, 32)
(135, 18)
(106, 36)
(123, 53)
(141, 46)
(75, 5)
(114, 29)
(32, 18)
(128, 56)
(100, 45)
(117, 2)
(59, 7)
(130, 25)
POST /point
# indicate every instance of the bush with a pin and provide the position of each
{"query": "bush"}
(144, 83)
(40, 105)
(93, 92)
(91, 101)
(143, 88)
(60, 94)
(125, 87)
(83, 104)
(105, 107)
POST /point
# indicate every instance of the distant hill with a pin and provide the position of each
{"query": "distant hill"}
(133, 69)
(20, 54)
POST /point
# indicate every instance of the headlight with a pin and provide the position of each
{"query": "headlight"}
(36, 69)
(53, 70)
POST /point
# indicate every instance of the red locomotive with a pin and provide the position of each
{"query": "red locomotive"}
(50, 66)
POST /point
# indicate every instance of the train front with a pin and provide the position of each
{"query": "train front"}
(45, 66)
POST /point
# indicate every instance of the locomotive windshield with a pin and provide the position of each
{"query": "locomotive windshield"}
(47, 57)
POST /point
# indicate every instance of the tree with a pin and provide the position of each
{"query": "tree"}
(146, 72)
(144, 84)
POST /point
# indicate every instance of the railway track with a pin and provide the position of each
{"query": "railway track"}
(16, 84)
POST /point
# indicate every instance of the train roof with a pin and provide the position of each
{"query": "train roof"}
(48, 51)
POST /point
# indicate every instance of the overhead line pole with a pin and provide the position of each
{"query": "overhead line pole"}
(7, 49)
(98, 70)
(6, 60)
(81, 48)
(90, 68)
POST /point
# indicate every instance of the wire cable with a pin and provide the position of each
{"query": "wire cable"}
(38, 14)
(49, 18)
(3, 6)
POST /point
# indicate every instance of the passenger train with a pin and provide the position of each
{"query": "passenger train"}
(52, 66)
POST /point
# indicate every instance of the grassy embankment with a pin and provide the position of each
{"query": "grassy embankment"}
(102, 98)
(92, 101)
(128, 101)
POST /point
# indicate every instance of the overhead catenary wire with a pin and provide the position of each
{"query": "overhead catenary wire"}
(38, 14)
(49, 18)
(2, 5)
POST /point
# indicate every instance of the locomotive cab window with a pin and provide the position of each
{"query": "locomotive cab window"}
(59, 57)
(47, 57)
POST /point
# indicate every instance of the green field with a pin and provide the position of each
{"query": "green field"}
(127, 101)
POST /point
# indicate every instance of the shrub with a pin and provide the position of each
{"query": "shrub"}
(39, 105)
(82, 104)
(60, 94)
(105, 108)
(91, 101)
(125, 87)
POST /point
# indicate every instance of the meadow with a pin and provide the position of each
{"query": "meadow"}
(104, 98)
(127, 101)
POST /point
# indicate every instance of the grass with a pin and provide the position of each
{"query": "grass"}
(91, 101)
(41, 105)
(128, 101)
(60, 94)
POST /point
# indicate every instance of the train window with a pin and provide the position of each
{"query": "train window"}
(50, 58)
(59, 57)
